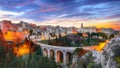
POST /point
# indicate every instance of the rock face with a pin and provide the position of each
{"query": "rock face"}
(104, 59)
(110, 52)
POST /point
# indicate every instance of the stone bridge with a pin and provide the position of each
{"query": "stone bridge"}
(60, 54)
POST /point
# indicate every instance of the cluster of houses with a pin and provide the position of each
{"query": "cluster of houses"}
(91, 29)
(44, 32)
(13, 31)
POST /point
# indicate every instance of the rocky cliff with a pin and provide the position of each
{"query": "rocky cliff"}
(108, 58)
(111, 54)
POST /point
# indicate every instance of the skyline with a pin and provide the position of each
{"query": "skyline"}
(100, 13)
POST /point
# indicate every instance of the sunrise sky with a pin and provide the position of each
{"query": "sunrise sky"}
(100, 13)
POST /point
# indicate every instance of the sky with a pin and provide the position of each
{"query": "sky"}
(99, 13)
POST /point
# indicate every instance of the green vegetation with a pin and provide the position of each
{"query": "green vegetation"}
(30, 33)
(75, 40)
(117, 59)
(78, 51)
(94, 65)
(10, 60)
(91, 65)
(111, 36)
(22, 62)
(118, 66)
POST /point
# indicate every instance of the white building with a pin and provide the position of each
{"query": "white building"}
(107, 30)
(87, 29)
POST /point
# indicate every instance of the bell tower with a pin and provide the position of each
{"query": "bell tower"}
(81, 25)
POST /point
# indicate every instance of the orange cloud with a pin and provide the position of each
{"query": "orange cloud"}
(114, 25)
(67, 22)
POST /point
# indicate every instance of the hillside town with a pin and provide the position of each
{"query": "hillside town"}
(67, 47)
(59, 33)
(15, 31)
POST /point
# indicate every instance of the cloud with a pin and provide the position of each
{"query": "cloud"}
(49, 9)
(79, 15)
(113, 16)
(42, 10)
(57, 1)
(60, 12)
(2, 13)
(9, 15)
(14, 3)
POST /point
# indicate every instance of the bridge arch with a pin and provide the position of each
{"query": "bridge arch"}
(68, 57)
(45, 52)
(59, 56)
(52, 54)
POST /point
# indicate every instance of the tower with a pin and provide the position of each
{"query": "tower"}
(81, 25)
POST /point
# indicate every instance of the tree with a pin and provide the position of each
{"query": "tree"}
(49, 41)
(78, 51)
(89, 35)
(2, 51)
(56, 39)
(103, 35)
(93, 34)
(60, 37)
(97, 34)
(80, 34)
(30, 33)
(111, 36)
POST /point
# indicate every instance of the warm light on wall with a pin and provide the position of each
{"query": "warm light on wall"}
(14, 36)
(22, 50)
(100, 47)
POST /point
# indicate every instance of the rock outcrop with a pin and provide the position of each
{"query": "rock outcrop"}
(104, 59)
(107, 58)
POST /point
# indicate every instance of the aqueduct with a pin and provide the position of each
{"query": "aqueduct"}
(60, 54)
